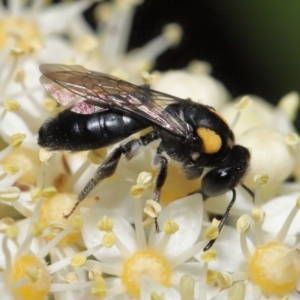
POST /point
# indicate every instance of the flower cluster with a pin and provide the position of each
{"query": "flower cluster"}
(109, 248)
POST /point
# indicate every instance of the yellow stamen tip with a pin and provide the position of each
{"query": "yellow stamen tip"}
(238, 291)
(173, 33)
(94, 272)
(36, 194)
(97, 156)
(298, 202)
(78, 260)
(225, 279)
(244, 103)
(152, 209)
(99, 290)
(45, 155)
(17, 139)
(137, 191)
(105, 224)
(77, 222)
(11, 105)
(211, 277)
(10, 169)
(187, 287)
(244, 224)
(10, 194)
(144, 178)
(50, 104)
(292, 139)
(6, 223)
(155, 296)
(49, 192)
(209, 256)
(211, 233)
(37, 228)
(170, 227)
(261, 179)
(258, 215)
(12, 232)
(109, 239)
(71, 278)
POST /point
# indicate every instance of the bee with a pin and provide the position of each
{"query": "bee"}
(102, 110)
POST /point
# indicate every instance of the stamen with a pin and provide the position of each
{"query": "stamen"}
(211, 276)
(170, 227)
(9, 194)
(187, 287)
(45, 155)
(71, 278)
(105, 224)
(290, 104)
(78, 260)
(155, 296)
(109, 239)
(10, 169)
(211, 233)
(152, 209)
(243, 104)
(209, 256)
(224, 279)
(288, 222)
(97, 156)
(17, 139)
(12, 232)
(11, 105)
(138, 224)
(37, 229)
(292, 139)
(238, 291)
(95, 271)
(244, 225)
(99, 290)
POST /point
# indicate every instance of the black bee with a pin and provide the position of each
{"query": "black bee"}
(102, 110)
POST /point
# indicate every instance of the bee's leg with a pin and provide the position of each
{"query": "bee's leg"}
(108, 167)
(162, 162)
(223, 220)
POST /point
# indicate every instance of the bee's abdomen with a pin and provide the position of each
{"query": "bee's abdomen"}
(79, 132)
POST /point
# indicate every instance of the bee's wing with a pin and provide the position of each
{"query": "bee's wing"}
(87, 92)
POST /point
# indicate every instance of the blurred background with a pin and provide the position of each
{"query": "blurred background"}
(253, 46)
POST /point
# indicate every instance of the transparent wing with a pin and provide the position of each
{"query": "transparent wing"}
(87, 92)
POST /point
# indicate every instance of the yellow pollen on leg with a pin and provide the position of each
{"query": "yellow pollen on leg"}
(145, 263)
(35, 275)
(275, 268)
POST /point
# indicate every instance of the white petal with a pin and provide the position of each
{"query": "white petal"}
(188, 213)
(93, 237)
(148, 285)
(230, 257)
(243, 203)
(4, 291)
(277, 211)
(64, 12)
(200, 88)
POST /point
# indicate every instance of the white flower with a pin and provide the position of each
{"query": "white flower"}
(201, 88)
(263, 265)
(24, 271)
(128, 256)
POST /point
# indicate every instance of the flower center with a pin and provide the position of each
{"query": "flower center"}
(35, 277)
(23, 31)
(275, 268)
(145, 263)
